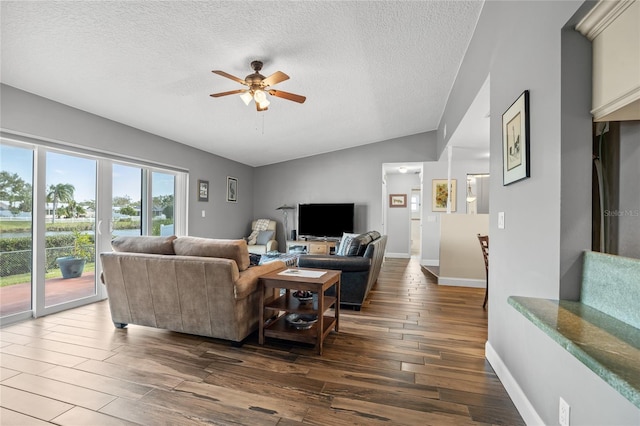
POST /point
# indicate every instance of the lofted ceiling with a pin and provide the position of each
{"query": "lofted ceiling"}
(371, 70)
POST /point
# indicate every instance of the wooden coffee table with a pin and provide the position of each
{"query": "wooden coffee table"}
(281, 305)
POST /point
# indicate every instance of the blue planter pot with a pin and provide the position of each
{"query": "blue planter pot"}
(71, 267)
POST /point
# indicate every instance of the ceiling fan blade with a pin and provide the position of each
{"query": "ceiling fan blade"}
(289, 96)
(232, 92)
(275, 78)
(232, 77)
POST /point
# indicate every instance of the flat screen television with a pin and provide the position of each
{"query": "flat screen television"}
(325, 220)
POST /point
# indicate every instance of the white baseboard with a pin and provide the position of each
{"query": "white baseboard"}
(519, 398)
(398, 255)
(430, 262)
(462, 282)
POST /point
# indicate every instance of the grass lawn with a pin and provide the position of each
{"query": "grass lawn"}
(15, 226)
(25, 278)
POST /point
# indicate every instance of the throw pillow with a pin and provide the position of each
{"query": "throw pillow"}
(251, 239)
(345, 243)
(254, 259)
(264, 237)
(259, 225)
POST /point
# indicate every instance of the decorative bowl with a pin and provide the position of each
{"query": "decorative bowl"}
(301, 321)
(303, 296)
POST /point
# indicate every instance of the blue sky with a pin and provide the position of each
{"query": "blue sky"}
(81, 173)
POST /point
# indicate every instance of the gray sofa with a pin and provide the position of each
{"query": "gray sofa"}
(190, 285)
(359, 258)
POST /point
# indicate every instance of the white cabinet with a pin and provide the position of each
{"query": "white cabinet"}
(614, 29)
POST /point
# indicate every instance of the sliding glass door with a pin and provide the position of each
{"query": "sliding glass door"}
(60, 209)
(16, 229)
(70, 225)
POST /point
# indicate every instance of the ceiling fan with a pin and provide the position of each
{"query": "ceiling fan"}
(258, 87)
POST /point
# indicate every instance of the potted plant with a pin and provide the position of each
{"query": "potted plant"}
(72, 266)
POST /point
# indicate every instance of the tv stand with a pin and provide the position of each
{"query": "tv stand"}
(323, 246)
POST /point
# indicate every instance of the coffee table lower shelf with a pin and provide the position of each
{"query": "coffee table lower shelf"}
(279, 329)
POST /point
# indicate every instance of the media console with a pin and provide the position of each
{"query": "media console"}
(313, 246)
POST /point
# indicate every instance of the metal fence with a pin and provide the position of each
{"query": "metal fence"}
(20, 261)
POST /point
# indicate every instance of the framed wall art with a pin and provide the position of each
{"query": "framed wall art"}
(440, 195)
(515, 141)
(232, 189)
(397, 200)
(203, 190)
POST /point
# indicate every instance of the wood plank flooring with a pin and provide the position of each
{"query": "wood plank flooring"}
(414, 355)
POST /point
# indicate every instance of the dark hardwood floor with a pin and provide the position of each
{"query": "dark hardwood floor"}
(414, 355)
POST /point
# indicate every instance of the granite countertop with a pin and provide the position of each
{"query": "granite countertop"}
(606, 345)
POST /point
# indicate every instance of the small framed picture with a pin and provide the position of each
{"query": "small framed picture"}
(397, 200)
(440, 195)
(203, 190)
(232, 189)
(515, 141)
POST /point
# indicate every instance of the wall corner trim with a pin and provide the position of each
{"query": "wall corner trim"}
(519, 398)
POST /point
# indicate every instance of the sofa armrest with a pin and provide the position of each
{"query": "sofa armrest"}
(341, 263)
(272, 245)
(247, 283)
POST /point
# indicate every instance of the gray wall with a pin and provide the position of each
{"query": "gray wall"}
(348, 176)
(31, 115)
(521, 46)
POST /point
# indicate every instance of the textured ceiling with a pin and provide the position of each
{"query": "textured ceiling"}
(371, 71)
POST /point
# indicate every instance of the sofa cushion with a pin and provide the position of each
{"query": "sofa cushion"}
(144, 244)
(264, 237)
(208, 247)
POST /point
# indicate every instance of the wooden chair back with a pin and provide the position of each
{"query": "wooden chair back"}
(484, 244)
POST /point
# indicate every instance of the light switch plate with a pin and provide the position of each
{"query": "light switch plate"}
(500, 220)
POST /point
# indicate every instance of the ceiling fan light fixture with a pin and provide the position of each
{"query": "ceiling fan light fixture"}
(258, 86)
(259, 96)
(246, 98)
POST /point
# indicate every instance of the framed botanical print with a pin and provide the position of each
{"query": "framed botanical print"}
(397, 200)
(203, 190)
(440, 195)
(515, 141)
(232, 189)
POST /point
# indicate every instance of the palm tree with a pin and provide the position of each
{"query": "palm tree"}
(72, 210)
(60, 193)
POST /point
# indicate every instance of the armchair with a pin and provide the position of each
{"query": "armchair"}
(263, 236)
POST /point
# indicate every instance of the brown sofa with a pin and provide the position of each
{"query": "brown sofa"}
(191, 285)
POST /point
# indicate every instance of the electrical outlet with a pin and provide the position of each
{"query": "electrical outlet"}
(564, 413)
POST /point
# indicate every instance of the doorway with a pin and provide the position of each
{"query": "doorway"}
(402, 222)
